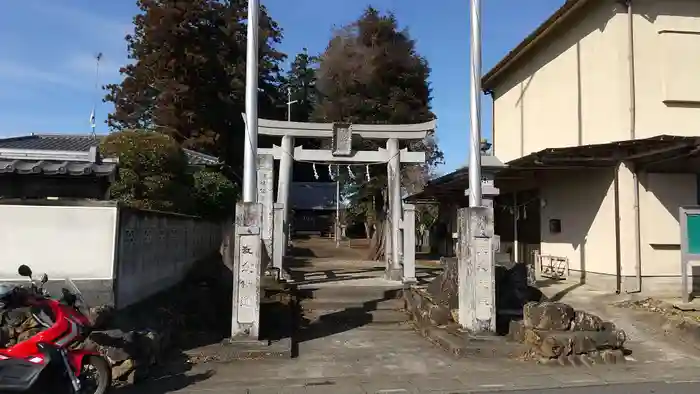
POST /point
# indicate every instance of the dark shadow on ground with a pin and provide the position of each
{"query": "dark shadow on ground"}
(191, 314)
(427, 256)
(425, 275)
(331, 275)
(279, 314)
(341, 321)
(166, 380)
(302, 252)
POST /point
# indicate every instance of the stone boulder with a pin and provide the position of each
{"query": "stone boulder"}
(554, 330)
(130, 353)
(584, 321)
(548, 315)
(513, 289)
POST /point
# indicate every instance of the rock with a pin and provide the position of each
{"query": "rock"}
(150, 345)
(443, 289)
(613, 356)
(439, 315)
(548, 315)
(116, 345)
(512, 286)
(516, 331)
(101, 316)
(556, 343)
(455, 315)
(123, 369)
(543, 344)
(584, 321)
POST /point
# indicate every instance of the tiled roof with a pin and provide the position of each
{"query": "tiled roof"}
(82, 143)
(313, 195)
(77, 143)
(55, 167)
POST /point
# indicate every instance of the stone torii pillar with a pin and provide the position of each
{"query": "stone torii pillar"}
(341, 152)
(285, 181)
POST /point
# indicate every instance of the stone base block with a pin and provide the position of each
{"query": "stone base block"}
(433, 322)
(395, 274)
(243, 349)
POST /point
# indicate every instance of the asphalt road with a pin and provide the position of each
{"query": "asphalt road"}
(637, 388)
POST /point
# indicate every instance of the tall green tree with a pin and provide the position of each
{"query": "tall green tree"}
(371, 73)
(186, 77)
(300, 81)
(300, 84)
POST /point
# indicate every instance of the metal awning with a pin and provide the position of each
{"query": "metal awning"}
(663, 153)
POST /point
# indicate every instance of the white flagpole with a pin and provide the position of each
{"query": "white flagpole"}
(250, 144)
(475, 106)
(93, 125)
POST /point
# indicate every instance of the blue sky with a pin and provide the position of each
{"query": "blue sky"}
(47, 69)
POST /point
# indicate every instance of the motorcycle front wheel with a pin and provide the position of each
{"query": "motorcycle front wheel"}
(95, 376)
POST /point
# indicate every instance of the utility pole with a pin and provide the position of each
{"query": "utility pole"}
(475, 106)
(250, 143)
(289, 104)
(93, 125)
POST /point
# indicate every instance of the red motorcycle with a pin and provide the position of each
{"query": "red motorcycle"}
(53, 360)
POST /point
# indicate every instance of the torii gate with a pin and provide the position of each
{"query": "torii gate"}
(342, 153)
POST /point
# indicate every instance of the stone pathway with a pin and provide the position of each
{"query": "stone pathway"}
(357, 342)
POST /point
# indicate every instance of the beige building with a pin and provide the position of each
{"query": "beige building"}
(596, 114)
(599, 72)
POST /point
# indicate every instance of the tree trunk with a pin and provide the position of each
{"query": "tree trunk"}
(377, 245)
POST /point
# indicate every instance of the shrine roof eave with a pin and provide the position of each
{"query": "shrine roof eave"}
(368, 131)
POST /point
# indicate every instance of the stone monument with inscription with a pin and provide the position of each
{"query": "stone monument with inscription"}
(247, 270)
(266, 200)
(476, 250)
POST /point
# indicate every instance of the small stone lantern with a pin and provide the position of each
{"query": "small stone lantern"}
(490, 165)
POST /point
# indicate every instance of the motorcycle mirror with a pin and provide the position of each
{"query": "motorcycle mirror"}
(44, 278)
(24, 270)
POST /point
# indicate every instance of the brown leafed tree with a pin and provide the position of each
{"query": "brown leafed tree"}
(371, 73)
(186, 77)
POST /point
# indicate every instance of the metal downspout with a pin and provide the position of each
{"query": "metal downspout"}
(618, 246)
(633, 135)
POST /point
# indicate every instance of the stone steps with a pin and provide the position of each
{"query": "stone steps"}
(323, 304)
(353, 307)
(350, 293)
(382, 316)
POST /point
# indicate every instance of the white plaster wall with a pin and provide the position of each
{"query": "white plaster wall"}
(574, 89)
(660, 197)
(571, 91)
(584, 202)
(63, 241)
(667, 38)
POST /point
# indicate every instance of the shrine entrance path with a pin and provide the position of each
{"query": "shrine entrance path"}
(355, 339)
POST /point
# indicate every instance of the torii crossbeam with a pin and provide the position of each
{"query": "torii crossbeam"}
(341, 152)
